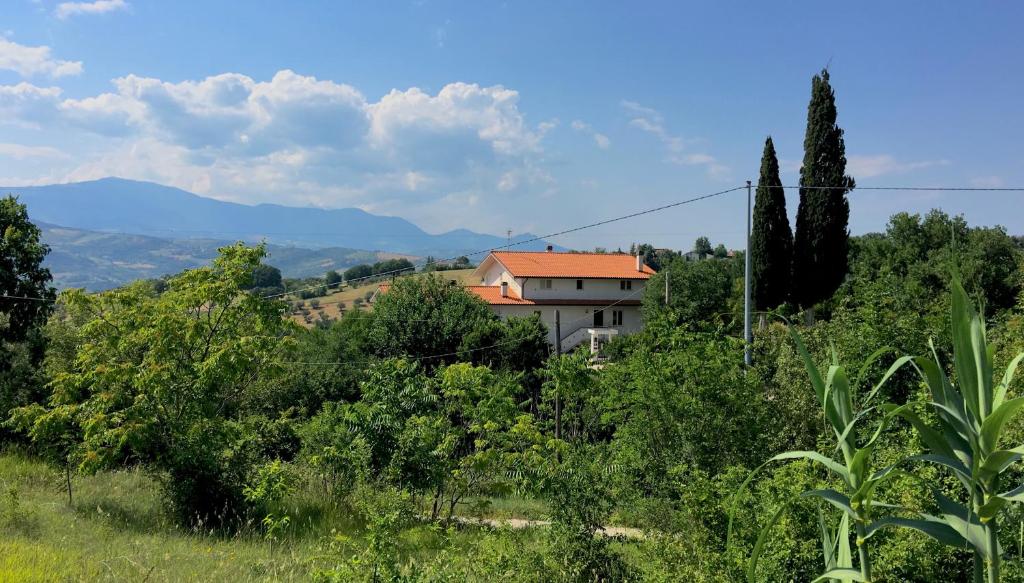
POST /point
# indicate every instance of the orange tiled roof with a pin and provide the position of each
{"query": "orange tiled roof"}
(571, 265)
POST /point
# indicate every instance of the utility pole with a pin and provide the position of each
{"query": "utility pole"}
(747, 337)
(666, 287)
(558, 389)
(509, 237)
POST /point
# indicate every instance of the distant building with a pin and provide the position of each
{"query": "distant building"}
(597, 295)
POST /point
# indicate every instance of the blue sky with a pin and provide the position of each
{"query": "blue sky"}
(530, 116)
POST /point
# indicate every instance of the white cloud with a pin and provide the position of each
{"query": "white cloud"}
(22, 152)
(872, 166)
(30, 61)
(68, 9)
(28, 105)
(600, 139)
(295, 139)
(652, 122)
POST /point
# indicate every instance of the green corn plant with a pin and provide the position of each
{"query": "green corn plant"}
(842, 412)
(970, 418)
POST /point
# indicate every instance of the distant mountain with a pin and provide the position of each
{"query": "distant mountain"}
(145, 208)
(98, 261)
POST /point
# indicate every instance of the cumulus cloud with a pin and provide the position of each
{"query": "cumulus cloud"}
(28, 105)
(29, 61)
(297, 139)
(872, 166)
(600, 139)
(68, 9)
(676, 148)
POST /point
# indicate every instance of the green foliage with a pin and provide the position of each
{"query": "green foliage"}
(159, 379)
(915, 255)
(332, 277)
(21, 272)
(22, 344)
(699, 291)
(843, 409)
(425, 316)
(580, 496)
(820, 246)
(702, 247)
(771, 239)
(358, 272)
(966, 440)
(386, 512)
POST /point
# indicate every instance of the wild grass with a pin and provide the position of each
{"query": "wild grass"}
(118, 530)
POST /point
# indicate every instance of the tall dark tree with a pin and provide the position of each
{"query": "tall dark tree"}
(22, 274)
(771, 239)
(821, 243)
(703, 247)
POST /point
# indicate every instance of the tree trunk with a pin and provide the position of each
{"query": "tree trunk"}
(809, 316)
(67, 476)
(762, 321)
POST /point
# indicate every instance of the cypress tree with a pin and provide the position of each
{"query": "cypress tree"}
(821, 243)
(771, 239)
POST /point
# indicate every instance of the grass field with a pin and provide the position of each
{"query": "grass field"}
(117, 529)
(330, 305)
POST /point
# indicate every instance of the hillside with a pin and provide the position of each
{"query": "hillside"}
(128, 206)
(332, 306)
(97, 261)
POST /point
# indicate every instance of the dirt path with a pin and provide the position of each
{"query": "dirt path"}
(518, 523)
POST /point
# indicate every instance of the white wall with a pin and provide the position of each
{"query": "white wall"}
(575, 317)
(593, 289)
(495, 274)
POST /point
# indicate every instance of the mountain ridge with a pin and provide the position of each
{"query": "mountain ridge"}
(146, 208)
(97, 261)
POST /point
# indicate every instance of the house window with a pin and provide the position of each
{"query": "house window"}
(579, 284)
(625, 284)
(616, 317)
(545, 284)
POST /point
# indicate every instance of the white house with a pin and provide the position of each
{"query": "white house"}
(597, 295)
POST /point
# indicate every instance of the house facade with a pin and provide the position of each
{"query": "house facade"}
(597, 295)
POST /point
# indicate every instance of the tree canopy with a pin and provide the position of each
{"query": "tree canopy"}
(821, 242)
(771, 239)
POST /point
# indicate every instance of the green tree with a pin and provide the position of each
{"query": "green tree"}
(426, 316)
(21, 272)
(771, 239)
(24, 312)
(702, 246)
(721, 252)
(357, 272)
(158, 379)
(332, 277)
(821, 243)
(266, 277)
(698, 291)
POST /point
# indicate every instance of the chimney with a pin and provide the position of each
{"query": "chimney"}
(640, 263)
(550, 248)
(504, 289)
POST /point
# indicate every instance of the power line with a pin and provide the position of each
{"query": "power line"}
(539, 237)
(477, 349)
(6, 297)
(908, 188)
(621, 218)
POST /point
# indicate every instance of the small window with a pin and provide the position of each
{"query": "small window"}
(625, 284)
(616, 317)
(579, 284)
(545, 284)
